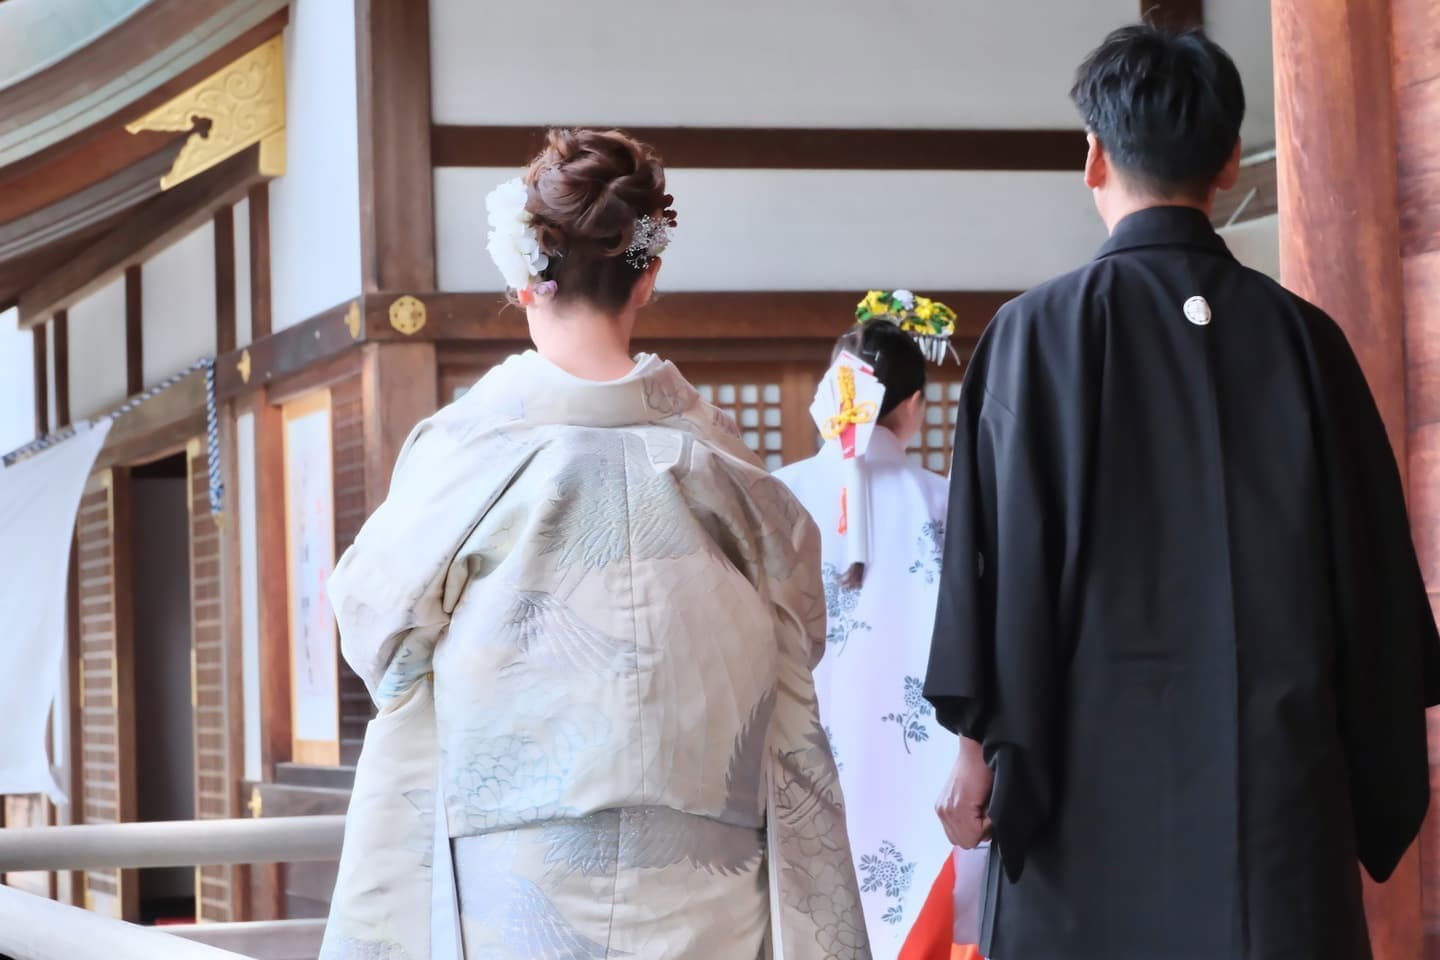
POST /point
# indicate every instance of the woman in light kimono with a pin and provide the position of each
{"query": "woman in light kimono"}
(589, 618)
(892, 762)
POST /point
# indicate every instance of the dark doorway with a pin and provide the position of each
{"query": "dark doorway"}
(164, 712)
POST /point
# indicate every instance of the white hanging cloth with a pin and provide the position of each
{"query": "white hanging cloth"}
(39, 498)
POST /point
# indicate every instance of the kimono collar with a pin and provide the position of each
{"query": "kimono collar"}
(885, 447)
(530, 388)
(1165, 227)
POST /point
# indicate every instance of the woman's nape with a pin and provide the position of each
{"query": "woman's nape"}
(585, 340)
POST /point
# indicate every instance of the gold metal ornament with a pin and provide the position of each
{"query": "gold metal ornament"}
(407, 315)
(244, 366)
(256, 806)
(352, 320)
(242, 103)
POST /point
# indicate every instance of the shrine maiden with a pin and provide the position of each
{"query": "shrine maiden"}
(882, 525)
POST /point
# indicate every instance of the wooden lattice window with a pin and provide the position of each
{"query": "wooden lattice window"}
(931, 447)
(756, 408)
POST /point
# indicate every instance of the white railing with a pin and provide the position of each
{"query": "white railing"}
(34, 928)
(270, 939)
(175, 843)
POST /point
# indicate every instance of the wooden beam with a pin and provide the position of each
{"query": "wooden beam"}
(275, 726)
(134, 332)
(224, 280)
(152, 228)
(791, 149)
(159, 427)
(42, 381)
(259, 261)
(397, 215)
(82, 210)
(1255, 195)
(1174, 14)
(399, 389)
(149, 57)
(287, 352)
(709, 319)
(749, 315)
(61, 325)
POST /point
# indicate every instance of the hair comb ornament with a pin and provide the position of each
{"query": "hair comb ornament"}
(929, 322)
(650, 239)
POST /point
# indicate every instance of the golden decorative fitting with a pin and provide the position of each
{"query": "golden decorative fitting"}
(257, 804)
(352, 320)
(244, 365)
(243, 103)
(407, 315)
(192, 449)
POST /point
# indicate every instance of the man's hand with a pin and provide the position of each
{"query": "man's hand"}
(964, 805)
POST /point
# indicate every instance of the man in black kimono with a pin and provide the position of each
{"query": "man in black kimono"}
(1182, 631)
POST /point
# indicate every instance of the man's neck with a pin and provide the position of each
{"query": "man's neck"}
(1124, 205)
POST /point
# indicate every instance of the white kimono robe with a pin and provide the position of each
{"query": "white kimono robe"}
(589, 619)
(893, 756)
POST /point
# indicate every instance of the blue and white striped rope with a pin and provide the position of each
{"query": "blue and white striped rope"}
(212, 442)
(212, 427)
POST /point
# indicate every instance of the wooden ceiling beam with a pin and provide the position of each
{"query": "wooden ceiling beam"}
(92, 205)
(788, 148)
(1254, 196)
(146, 59)
(150, 229)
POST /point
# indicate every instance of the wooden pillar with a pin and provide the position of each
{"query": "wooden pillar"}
(397, 214)
(1416, 62)
(399, 386)
(1339, 248)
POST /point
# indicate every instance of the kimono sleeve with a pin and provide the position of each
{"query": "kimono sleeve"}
(993, 659)
(815, 896)
(1389, 654)
(394, 589)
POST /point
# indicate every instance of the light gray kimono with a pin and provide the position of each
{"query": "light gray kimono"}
(589, 619)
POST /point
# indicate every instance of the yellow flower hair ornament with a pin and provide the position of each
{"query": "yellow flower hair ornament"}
(929, 322)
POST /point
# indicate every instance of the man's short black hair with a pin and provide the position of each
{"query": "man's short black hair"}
(1166, 107)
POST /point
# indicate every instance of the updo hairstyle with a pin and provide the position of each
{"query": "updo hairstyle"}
(587, 189)
(896, 358)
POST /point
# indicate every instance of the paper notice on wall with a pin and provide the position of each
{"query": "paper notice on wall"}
(39, 498)
(311, 540)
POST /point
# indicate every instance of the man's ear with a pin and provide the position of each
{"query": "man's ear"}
(1097, 163)
(1230, 175)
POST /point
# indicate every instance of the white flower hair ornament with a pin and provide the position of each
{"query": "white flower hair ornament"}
(514, 244)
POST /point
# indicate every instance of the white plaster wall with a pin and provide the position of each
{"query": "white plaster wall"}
(178, 304)
(243, 316)
(249, 594)
(97, 351)
(315, 206)
(17, 383)
(845, 63)
(826, 230)
(1242, 27)
(1256, 243)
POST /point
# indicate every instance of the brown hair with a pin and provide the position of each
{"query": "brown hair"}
(586, 190)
